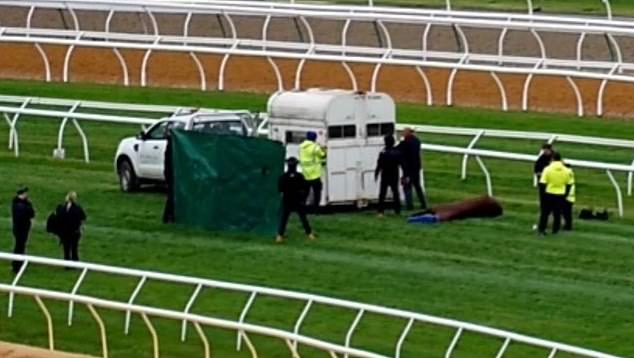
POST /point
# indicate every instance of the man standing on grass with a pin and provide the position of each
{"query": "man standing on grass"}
(555, 183)
(388, 169)
(22, 213)
(410, 150)
(544, 159)
(293, 186)
(311, 158)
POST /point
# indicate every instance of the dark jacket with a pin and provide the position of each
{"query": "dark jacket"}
(293, 187)
(69, 219)
(410, 148)
(542, 162)
(22, 212)
(390, 160)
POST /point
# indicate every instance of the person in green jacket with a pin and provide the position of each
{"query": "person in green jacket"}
(312, 157)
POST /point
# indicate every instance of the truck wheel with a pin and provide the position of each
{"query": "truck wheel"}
(128, 182)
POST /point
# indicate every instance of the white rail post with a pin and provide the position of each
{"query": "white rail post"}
(135, 293)
(188, 308)
(203, 338)
(14, 284)
(630, 181)
(49, 323)
(300, 319)
(401, 339)
(487, 175)
(619, 195)
(124, 65)
(608, 9)
(243, 316)
(529, 5)
(503, 349)
(465, 158)
(352, 328)
(155, 338)
(454, 343)
(13, 131)
(71, 304)
(59, 152)
(102, 330)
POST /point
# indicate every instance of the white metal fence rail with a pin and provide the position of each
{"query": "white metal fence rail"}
(15, 108)
(19, 110)
(478, 154)
(242, 327)
(479, 133)
(615, 70)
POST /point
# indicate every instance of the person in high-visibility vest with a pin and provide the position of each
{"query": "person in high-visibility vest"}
(312, 158)
(556, 182)
(569, 202)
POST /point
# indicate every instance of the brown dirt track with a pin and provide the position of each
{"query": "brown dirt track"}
(255, 74)
(8, 350)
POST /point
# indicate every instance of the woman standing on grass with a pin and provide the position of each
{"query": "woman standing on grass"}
(70, 218)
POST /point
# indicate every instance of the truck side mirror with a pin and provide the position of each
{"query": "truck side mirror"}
(141, 136)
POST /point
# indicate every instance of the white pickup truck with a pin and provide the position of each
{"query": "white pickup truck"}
(140, 160)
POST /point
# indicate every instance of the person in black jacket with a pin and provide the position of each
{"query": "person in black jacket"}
(21, 213)
(168, 213)
(388, 168)
(410, 149)
(544, 159)
(70, 217)
(293, 188)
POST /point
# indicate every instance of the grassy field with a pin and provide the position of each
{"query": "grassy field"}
(589, 7)
(576, 288)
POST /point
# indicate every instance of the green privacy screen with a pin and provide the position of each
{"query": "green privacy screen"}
(225, 182)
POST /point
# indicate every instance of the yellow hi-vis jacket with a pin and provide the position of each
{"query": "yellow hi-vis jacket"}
(556, 177)
(311, 158)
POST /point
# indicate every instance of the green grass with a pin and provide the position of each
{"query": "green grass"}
(588, 7)
(576, 288)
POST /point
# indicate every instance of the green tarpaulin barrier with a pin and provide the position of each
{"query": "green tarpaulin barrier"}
(225, 182)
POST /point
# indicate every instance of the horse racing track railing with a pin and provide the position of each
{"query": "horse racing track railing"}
(241, 325)
(617, 69)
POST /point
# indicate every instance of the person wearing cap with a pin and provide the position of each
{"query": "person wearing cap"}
(293, 187)
(569, 202)
(70, 218)
(22, 213)
(555, 184)
(410, 149)
(311, 158)
(388, 169)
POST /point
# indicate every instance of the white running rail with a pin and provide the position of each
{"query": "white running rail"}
(309, 50)
(478, 133)
(15, 108)
(478, 154)
(242, 327)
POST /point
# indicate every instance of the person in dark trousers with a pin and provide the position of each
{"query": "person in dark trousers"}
(410, 149)
(388, 168)
(544, 159)
(569, 202)
(70, 218)
(168, 172)
(293, 186)
(555, 183)
(312, 157)
(22, 213)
